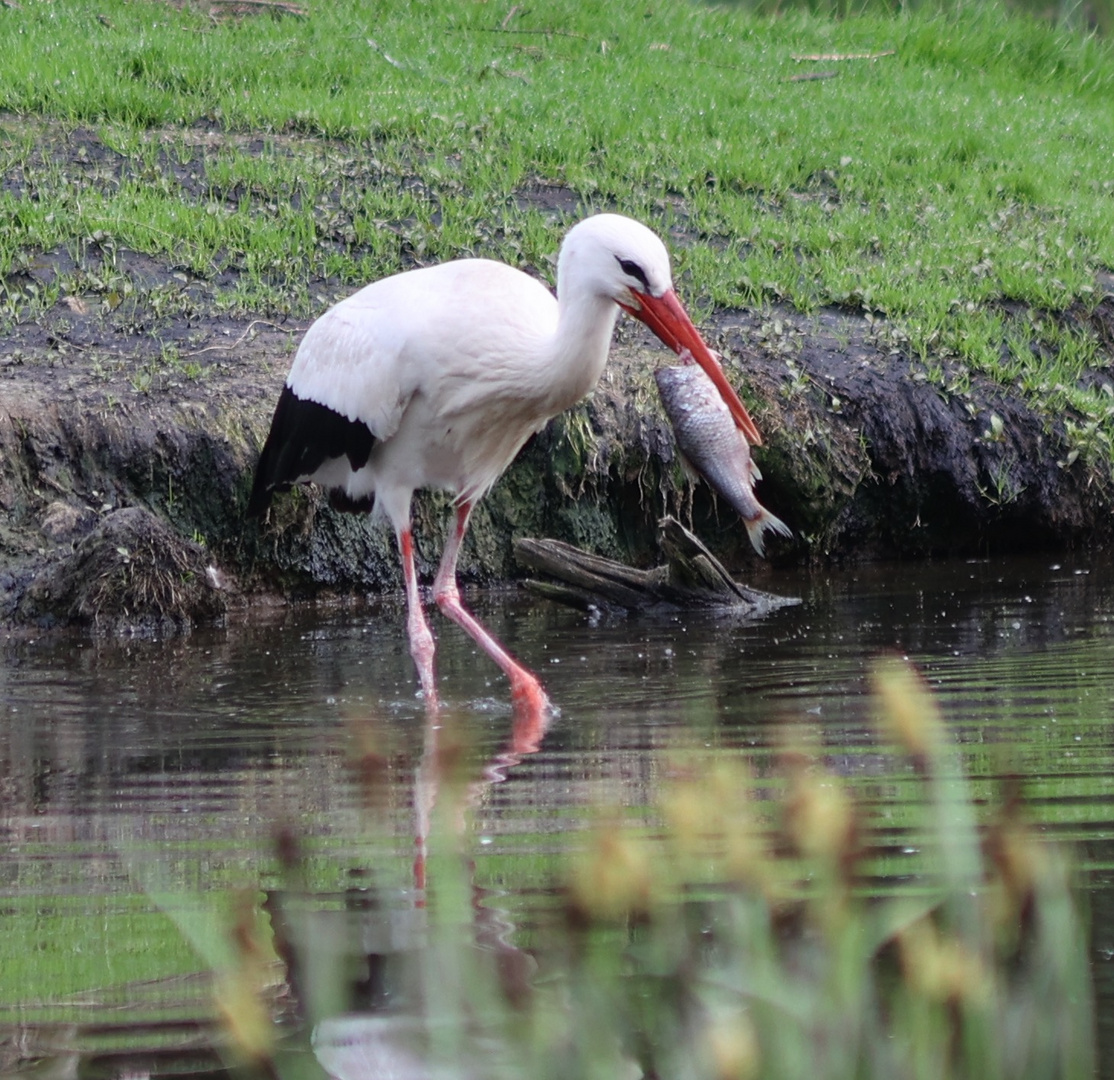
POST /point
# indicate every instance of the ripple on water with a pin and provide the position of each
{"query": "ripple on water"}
(174, 766)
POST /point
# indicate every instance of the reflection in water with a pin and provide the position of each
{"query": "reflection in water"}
(135, 772)
(379, 1022)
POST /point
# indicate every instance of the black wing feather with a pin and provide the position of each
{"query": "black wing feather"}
(304, 435)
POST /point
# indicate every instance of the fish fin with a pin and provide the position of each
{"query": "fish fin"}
(755, 471)
(765, 522)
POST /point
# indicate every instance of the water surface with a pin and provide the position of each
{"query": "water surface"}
(135, 771)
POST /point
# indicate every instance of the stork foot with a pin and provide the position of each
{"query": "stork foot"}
(528, 730)
(422, 650)
(529, 699)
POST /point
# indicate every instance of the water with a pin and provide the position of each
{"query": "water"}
(145, 785)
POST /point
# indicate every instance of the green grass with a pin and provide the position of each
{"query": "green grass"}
(55, 949)
(960, 187)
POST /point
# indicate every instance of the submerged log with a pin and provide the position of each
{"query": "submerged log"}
(691, 577)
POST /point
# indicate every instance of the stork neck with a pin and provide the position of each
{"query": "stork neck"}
(585, 322)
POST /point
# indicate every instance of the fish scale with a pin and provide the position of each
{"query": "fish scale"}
(713, 447)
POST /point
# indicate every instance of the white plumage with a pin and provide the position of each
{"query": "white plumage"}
(436, 378)
(379, 357)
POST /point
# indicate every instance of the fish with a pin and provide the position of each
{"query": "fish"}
(712, 447)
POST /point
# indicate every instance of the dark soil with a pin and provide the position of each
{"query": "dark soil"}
(131, 573)
(876, 461)
(109, 406)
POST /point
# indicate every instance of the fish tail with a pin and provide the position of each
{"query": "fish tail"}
(759, 526)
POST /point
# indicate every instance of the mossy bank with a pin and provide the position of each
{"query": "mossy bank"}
(898, 230)
(129, 439)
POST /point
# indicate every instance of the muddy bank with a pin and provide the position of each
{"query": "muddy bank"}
(878, 455)
(133, 405)
(866, 457)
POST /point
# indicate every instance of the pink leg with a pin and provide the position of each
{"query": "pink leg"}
(526, 691)
(421, 640)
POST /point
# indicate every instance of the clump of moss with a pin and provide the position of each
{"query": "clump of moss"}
(131, 573)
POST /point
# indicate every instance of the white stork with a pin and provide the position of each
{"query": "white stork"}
(437, 376)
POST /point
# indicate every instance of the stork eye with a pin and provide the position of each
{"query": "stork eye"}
(632, 269)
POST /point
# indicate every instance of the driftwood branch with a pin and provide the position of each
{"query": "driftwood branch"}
(239, 341)
(276, 7)
(508, 30)
(842, 56)
(691, 577)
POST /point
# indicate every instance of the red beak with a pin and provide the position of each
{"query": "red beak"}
(666, 316)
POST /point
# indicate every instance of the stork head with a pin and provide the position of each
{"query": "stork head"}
(614, 256)
(621, 259)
